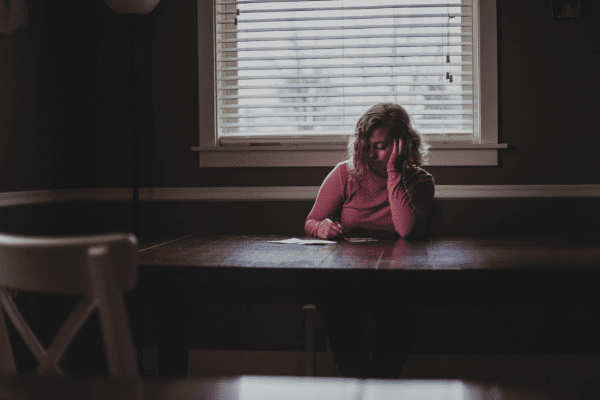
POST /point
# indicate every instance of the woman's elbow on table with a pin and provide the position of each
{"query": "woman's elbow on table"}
(408, 226)
(405, 231)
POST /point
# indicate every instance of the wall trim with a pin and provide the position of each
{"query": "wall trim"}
(261, 193)
(446, 192)
(310, 192)
(8, 199)
(515, 191)
(248, 193)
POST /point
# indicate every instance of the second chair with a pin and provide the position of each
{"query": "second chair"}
(100, 267)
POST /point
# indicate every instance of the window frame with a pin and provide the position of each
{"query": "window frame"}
(451, 153)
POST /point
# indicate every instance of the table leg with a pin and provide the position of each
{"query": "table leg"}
(172, 313)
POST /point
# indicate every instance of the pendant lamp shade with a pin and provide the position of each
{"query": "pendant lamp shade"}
(132, 6)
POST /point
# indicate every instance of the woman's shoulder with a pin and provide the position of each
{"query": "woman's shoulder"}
(344, 166)
(338, 175)
(342, 169)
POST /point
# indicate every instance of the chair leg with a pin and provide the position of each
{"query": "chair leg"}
(7, 361)
(310, 311)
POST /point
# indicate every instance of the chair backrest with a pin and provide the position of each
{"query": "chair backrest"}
(100, 267)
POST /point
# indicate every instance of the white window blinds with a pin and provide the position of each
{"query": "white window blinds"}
(304, 71)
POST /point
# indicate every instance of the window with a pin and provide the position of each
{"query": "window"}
(293, 77)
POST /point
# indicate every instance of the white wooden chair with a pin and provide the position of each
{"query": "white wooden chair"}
(100, 267)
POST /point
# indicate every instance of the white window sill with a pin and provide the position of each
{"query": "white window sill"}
(440, 154)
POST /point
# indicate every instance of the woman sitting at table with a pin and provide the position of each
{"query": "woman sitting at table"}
(380, 189)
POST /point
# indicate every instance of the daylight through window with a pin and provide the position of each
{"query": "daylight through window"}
(304, 71)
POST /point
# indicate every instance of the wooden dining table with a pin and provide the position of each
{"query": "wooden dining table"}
(525, 272)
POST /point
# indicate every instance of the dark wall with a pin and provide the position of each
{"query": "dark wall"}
(63, 103)
(26, 140)
(89, 68)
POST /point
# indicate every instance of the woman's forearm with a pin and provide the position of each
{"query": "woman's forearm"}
(329, 199)
(410, 198)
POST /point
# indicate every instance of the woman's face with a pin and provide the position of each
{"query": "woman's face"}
(381, 146)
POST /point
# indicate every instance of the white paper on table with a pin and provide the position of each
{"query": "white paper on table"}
(303, 241)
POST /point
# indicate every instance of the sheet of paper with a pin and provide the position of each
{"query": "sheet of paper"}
(303, 241)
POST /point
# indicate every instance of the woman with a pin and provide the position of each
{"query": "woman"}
(380, 189)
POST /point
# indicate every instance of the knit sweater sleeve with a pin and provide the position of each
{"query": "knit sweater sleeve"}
(329, 200)
(410, 194)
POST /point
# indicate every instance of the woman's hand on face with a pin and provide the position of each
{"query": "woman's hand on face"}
(329, 229)
(394, 160)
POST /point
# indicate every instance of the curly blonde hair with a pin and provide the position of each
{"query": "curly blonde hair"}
(394, 119)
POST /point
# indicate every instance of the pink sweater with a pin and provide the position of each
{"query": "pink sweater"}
(397, 203)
